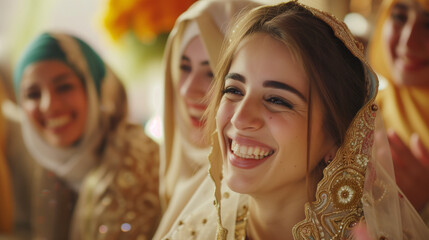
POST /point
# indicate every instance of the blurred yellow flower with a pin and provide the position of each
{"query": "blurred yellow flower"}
(146, 18)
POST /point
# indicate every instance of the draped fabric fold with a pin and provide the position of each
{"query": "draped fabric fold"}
(6, 199)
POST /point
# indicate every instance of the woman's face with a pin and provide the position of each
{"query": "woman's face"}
(406, 33)
(262, 119)
(195, 78)
(54, 99)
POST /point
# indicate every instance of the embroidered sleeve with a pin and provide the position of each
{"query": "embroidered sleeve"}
(120, 199)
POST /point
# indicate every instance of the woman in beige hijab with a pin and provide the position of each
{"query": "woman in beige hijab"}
(399, 51)
(292, 128)
(191, 55)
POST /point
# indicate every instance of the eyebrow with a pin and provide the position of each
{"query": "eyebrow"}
(61, 77)
(268, 83)
(284, 86)
(404, 7)
(400, 6)
(56, 80)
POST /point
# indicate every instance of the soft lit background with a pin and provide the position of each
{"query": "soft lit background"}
(130, 36)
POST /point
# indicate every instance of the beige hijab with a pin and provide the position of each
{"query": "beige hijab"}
(184, 165)
(404, 108)
(358, 183)
(6, 201)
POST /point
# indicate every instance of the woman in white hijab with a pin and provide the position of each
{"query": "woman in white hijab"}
(191, 56)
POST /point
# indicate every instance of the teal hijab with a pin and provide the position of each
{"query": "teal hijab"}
(71, 163)
(47, 47)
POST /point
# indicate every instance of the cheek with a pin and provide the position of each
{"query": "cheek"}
(426, 46)
(31, 110)
(182, 81)
(223, 115)
(80, 103)
(290, 137)
(390, 38)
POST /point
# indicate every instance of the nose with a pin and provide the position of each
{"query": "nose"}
(248, 115)
(410, 37)
(193, 87)
(49, 103)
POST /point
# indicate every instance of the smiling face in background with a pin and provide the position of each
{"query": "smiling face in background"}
(406, 33)
(54, 99)
(262, 119)
(195, 78)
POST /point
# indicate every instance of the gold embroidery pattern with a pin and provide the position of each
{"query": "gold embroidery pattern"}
(338, 205)
(241, 223)
(338, 198)
(121, 199)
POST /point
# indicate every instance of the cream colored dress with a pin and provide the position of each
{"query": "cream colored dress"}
(357, 185)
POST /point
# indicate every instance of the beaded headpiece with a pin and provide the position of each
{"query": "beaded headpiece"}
(338, 205)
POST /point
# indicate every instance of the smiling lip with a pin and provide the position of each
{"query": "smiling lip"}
(412, 64)
(197, 122)
(58, 124)
(197, 106)
(246, 163)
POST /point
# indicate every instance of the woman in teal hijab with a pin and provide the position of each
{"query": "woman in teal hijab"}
(98, 174)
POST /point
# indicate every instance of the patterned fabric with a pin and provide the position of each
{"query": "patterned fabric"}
(120, 198)
(357, 185)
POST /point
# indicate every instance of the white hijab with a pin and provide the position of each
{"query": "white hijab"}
(74, 162)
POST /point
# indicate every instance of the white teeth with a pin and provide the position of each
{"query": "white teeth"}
(195, 112)
(58, 122)
(252, 152)
(249, 150)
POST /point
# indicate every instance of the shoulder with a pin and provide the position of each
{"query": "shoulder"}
(131, 140)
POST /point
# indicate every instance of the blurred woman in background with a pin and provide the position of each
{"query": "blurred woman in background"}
(97, 175)
(191, 56)
(399, 51)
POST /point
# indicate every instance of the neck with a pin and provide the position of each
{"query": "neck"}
(273, 215)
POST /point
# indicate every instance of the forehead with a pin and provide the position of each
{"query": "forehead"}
(195, 49)
(420, 6)
(263, 57)
(47, 72)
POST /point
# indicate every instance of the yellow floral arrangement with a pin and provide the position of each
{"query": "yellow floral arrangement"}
(145, 18)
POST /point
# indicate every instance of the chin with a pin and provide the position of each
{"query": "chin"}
(240, 183)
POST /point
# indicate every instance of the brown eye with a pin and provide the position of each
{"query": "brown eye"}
(64, 87)
(279, 101)
(232, 90)
(210, 74)
(399, 17)
(185, 68)
(34, 94)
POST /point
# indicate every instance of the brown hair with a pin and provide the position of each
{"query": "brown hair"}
(334, 73)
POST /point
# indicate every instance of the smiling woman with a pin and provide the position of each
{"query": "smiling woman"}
(399, 51)
(191, 55)
(264, 117)
(292, 129)
(95, 171)
(55, 101)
